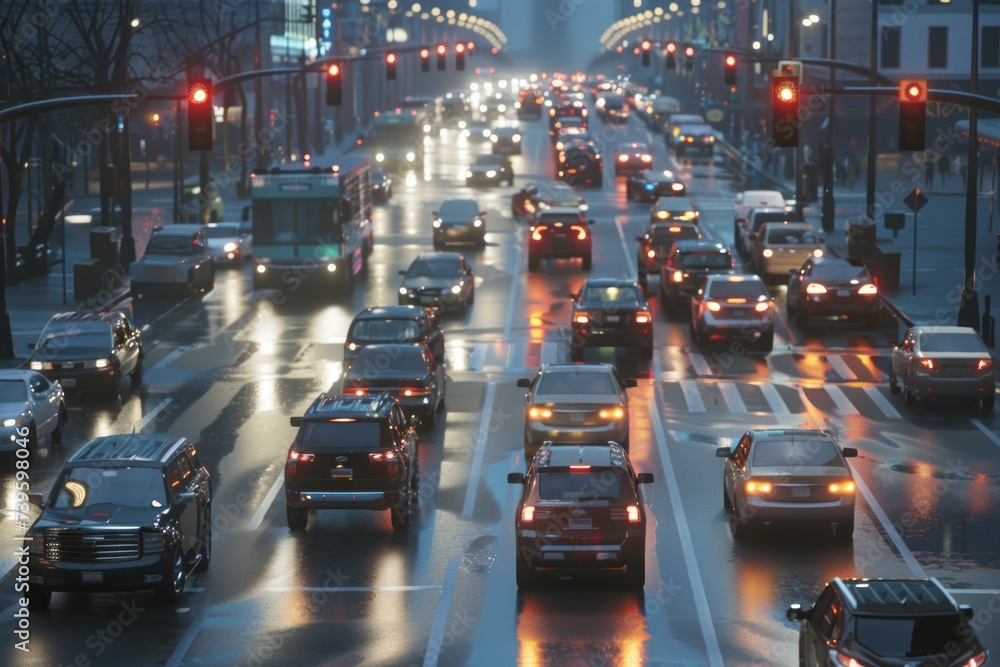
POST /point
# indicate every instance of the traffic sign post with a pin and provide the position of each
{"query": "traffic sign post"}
(915, 201)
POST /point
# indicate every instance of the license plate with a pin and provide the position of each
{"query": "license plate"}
(342, 473)
(580, 523)
(92, 577)
(577, 417)
(843, 292)
(68, 383)
(613, 319)
(428, 299)
(739, 312)
(800, 492)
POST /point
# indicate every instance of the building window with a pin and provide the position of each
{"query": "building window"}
(890, 47)
(990, 45)
(937, 47)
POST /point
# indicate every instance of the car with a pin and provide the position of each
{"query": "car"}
(757, 217)
(439, 280)
(780, 247)
(490, 170)
(648, 185)
(230, 243)
(459, 220)
(674, 208)
(676, 119)
(698, 137)
(535, 197)
(506, 140)
(192, 198)
(127, 512)
(575, 403)
(567, 109)
(632, 157)
(580, 509)
(89, 351)
(477, 130)
(560, 233)
(832, 288)
(733, 308)
(655, 245)
(413, 325)
(611, 312)
(529, 104)
(687, 266)
(408, 372)
(612, 108)
(381, 185)
(31, 408)
(567, 126)
(749, 199)
(581, 163)
(177, 260)
(352, 452)
(571, 135)
(942, 361)
(787, 476)
(887, 623)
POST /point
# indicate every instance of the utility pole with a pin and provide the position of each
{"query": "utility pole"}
(829, 223)
(968, 308)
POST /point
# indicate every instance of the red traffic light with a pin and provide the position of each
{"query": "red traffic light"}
(390, 58)
(425, 53)
(199, 93)
(786, 92)
(441, 49)
(730, 61)
(333, 70)
(912, 91)
(671, 47)
(646, 45)
(460, 48)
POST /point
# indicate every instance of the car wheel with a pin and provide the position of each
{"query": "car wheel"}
(524, 572)
(893, 382)
(989, 400)
(588, 262)
(844, 530)
(472, 297)
(136, 373)
(206, 543)
(400, 515)
(57, 432)
(908, 397)
(39, 598)
(766, 343)
(635, 570)
(726, 507)
(297, 518)
(534, 262)
(431, 419)
(171, 590)
(738, 526)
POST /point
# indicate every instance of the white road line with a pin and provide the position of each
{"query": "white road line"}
(692, 395)
(477, 360)
(883, 403)
(732, 396)
(184, 645)
(517, 353)
(482, 434)
(699, 363)
(349, 589)
(890, 530)
(840, 367)
(840, 400)
(632, 271)
(258, 516)
(974, 591)
(877, 374)
(167, 360)
(684, 531)
(773, 399)
(550, 352)
(433, 653)
(151, 415)
(994, 438)
(146, 327)
(515, 278)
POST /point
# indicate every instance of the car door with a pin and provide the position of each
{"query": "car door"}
(469, 276)
(439, 375)
(902, 355)
(736, 468)
(44, 403)
(823, 629)
(179, 474)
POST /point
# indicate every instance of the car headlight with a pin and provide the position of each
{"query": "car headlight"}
(261, 268)
(437, 224)
(196, 190)
(494, 138)
(767, 252)
(817, 253)
(456, 289)
(331, 267)
(35, 365)
(411, 156)
(403, 291)
(486, 133)
(11, 422)
(461, 125)
(427, 128)
(516, 138)
(230, 247)
(468, 174)
(380, 157)
(102, 363)
(477, 223)
(491, 173)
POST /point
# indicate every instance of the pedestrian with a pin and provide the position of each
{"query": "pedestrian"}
(928, 173)
(944, 167)
(807, 154)
(958, 167)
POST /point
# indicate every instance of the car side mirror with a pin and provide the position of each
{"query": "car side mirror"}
(402, 272)
(37, 499)
(31, 346)
(515, 478)
(524, 382)
(296, 421)
(723, 452)
(849, 452)
(640, 239)
(186, 497)
(796, 613)
(967, 611)
(590, 222)
(644, 478)
(893, 344)
(631, 383)
(434, 213)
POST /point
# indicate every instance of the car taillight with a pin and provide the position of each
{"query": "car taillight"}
(536, 234)
(528, 514)
(868, 289)
(581, 318)
(359, 391)
(646, 158)
(294, 458)
(767, 252)
(651, 253)
(642, 317)
(713, 306)
(389, 458)
(633, 514)
(755, 488)
(845, 487)
(617, 412)
(414, 391)
(677, 187)
(847, 661)
(761, 307)
(815, 288)
(623, 158)
(927, 363)
(978, 660)
(535, 412)
(581, 232)
(984, 364)
(678, 276)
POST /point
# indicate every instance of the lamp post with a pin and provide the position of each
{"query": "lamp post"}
(830, 154)
(968, 308)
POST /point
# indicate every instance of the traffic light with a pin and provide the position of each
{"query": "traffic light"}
(689, 54)
(460, 56)
(912, 114)
(390, 66)
(425, 59)
(671, 57)
(200, 114)
(334, 85)
(442, 52)
(646, 48)
(785, 111)
(729, 69)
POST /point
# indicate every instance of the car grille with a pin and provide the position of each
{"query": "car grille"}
(426, 291)
(84, 546)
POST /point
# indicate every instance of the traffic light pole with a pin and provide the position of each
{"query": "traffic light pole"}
(830, 155)
(968, 307)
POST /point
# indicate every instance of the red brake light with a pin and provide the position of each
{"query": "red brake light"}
(389, 458)
(927, 363)
(536, 234)
(761, 306)
(359, 392)
(642, 317)
(581, 232)
(304, 457)
(633, 514)
(815, 288)
(868, 289)
(528, 514)
(579, 468)
(984, 364)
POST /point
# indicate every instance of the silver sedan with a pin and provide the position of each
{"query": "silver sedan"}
(31, 408)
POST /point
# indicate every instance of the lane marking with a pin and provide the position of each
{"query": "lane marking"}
(699, 363)
(433, 653)
(773, 399)
(840, 400)
(167, 360)
(883, 403)
(254, 523)
(156, 319)
(692, 396)
(732, 396)
(515, 279)
(840, 366)
(890, 530)
(687, 545)
(630, 267)
(151, 415)
(479, 451)
(994, 438)
(869, 363)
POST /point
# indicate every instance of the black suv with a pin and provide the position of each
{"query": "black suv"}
(89, 351)
(685, 270)
(559, 233)
(352, 452)
(580, 508)
(394, 324)
(887, 623)
(611, 311)
(127, 512)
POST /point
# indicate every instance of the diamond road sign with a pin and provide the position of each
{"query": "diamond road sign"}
(916, 200)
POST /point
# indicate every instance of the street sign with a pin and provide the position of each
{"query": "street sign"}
(916, 200)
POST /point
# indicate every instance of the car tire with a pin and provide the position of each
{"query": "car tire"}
(588, 262)
(431, 419)
(801, 319)
(136, 373)
(989, 400)
(171, 589)
(738, 526)
(766, 343)
(206, 546)
(726, 506)
(57, 432)
(400, 515)
(646, 351)
(39, 598)
(908, 397)
(635, 570)
(472, 297)
(524, 572)
(297, 518)
(534, 262)
(893, 382)
(844, 531)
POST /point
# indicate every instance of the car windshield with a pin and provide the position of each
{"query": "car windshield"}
(13, 391)
(725, 289)
(131, 486)
(488, 160)
(951, 342)
(225, 228)
(551, 219)
(576, 382)
(760, 219)
(913, 637)
(839, 272)
(796, 452)
(790, 236)
(372, 362)
(170, 244)
(90, 340)
(591, 485)
(705, 260)
(432, 268)
(605, 293)
(662, 233)
(458, 209)
(341, 435)
(384, 331)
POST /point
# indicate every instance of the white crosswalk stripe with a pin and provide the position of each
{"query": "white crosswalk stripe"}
(692, 395)
(840, 366)
(732, 396)
(773, 399)
(883, 404)
(699, 363)
(840, 399)
(869, 363)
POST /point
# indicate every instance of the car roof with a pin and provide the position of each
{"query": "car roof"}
(180, 229)
(699, 245)
(129, 447)
(944, 329)
(392, 313)
(471, 200)
(734, 278)
(561, 211)
(104, 317)
(674, 202)
(609, 455)
(610, 282)
(786, 433)
(895, 597)
(564, 367)
(435, 256)
(329, 406)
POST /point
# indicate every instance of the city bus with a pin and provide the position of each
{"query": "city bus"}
(398, 141)
(312, 225)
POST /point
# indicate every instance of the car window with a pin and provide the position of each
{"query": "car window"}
(951, 342)
(459, 208)
(571, 485)
(790, 236)
(568, 382)
(831, 618)
(98, 341)
(13, 391)
(171, 244)
(432, 268)
(86, 487)
(663, 234)
(705, 260)
(796, 452)
(839, 272)
(911, 637)
(384, 331)
(611, 293)
(726, 289)
(372, 361)
(551, 219)
(344, 435)
(38, 384)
